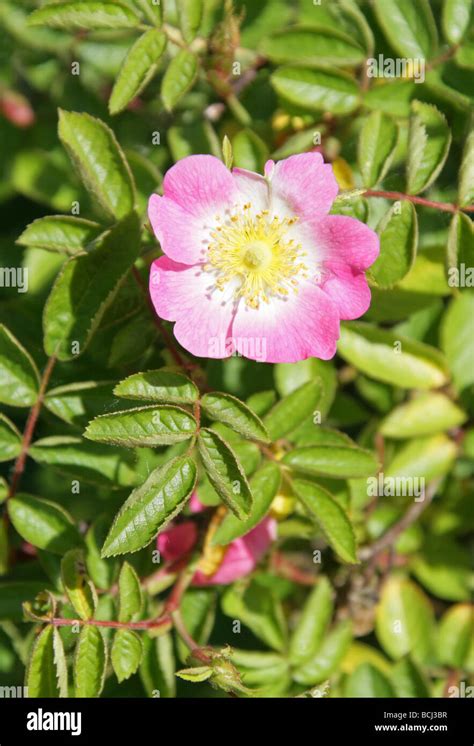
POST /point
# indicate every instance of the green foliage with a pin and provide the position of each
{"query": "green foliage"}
(109, 430)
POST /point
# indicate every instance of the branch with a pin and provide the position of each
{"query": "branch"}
(162, 621)
(412, 514)
(30, 428)
(444, 206)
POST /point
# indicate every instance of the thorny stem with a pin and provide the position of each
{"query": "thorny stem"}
(444, 206)
(30, 428)
(412, 514)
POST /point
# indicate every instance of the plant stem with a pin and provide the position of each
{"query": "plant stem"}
(445, 206)
(30, 428)
(412, 514)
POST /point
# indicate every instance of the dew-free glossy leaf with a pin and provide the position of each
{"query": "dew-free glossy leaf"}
(398, 231)
(404, 619)
(455, 19)
(234, 413)
(90, 661)
(99, 160)
(143, 426)
(42, 523)
(138, 68)
(63, 234)
(225, 473)
(85, 288)
(339, 462)
(151, 507)
(312, 624)
(409, 27)
(84, 15)
(41, 678)
(327, 658)
(429, 140)
(10, 439)
(158, 385)
(178, 78)
(331, 518)
(316, 90)
(377, 142)
(126, 653)
(130, 594)
(290, 411)
(19, 379)
(312, 45)
(79, 589)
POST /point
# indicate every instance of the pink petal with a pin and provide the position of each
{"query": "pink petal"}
(305, 324)
(242, 556)
(180, 234)
(345, 240)
(349, 291)
(304, 185)
(177, 540)
(202, 313)
(200, 184)
(251, 187)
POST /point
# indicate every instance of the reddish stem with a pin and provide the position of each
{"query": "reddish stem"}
(19, 466)
(445, 206)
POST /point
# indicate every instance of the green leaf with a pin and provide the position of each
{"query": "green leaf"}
(79, 589)
(90, 662)
(407, 680)
(293, 409)
(429, 139)
(158, 385)
(63, 234)
(151, 507)
(312, 45)
(41, 678)
(409, 27)
(178, 78)
(19, 379)
(340, 462)
(376, 148)
(331, 518)
(101, 571)
(10, 439)
(84, 15)
(130, 594)
(157, 669)
(455, 19)
(143, 426)
(398, 231)
(196, 674)
(466, 172)
(77, 403)
(257, 607)
(460, 251)
(198, 611)
(312, 624)
(454, 638)
(404, 619)
(327, 658)
(387, 356)
(85, 288)
(457, 339)
(450, 578)
(368, 681)
(249, 151)
(427, 414)
(100, 162)
(126, 653)
(138, 68)
(190, 16)
(60, 664)
(423, 457)
(231, 411)
(316, 90)
(42, 523)
(91, 462)
(264, 486)
(225, 473)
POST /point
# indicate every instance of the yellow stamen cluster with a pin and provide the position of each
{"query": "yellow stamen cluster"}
(212, 556)
(254, 249)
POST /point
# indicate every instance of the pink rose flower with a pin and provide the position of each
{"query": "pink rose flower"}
(239, 558)
(255, 264)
